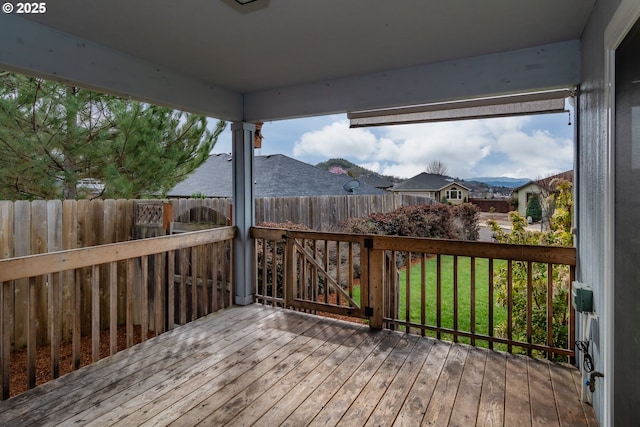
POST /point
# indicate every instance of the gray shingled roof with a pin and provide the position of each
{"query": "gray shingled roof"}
(547, 183)
(427, 182)
(276, 175)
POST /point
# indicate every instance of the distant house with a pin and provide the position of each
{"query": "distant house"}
(375, 181)
(539, 188)
(435, 186)
(276, 175)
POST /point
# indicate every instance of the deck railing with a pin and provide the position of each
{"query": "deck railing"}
(153, 284)
(510, 297)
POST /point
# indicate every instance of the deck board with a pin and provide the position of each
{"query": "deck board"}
(257, 365)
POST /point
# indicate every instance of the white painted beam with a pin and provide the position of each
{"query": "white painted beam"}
(34, 49)
(512, 105)
(526, 70)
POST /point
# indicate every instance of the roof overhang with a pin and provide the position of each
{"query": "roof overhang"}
(295, 58)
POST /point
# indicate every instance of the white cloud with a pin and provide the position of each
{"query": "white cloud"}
(495, 147)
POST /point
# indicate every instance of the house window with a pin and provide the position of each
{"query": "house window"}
(454, 194)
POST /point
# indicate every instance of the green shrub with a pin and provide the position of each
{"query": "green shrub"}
(435, 221)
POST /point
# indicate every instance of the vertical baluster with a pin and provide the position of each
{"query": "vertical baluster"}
(455, 298)
(95, 313)
(31, 334)
(529, 305)
(129, 301)
(274, 272)
(439, 295)
(194, 283)
(171, 281)
(491, 302)
(113, 307)
(549, 308)
(6, 302)
(184, 267)
(144, 298)
(55, 320)
(509, 305)
(472, 304)
(423, 293)
(77, 314)
(338, 264)
(407, 300)
(314, 272)
(263, 292)
(351, 269)
(204, 273)
(326, 268)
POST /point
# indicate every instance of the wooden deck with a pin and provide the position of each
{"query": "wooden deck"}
(257, 365)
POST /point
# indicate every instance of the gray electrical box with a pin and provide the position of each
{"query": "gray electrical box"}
(582, 297)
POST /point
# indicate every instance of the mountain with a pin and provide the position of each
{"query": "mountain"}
(352, 169)
(501, 181)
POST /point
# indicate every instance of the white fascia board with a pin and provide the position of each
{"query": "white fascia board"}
(546, 67)
(34, 49)
(443, 112)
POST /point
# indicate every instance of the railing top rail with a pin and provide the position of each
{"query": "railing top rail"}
(53, 262)
(533, 253)
(279, 233)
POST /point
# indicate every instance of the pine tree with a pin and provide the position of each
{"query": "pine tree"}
(534, 210)
(53, 136)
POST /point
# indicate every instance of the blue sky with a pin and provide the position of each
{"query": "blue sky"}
(519, 147)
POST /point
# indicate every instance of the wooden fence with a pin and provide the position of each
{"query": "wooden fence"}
(40, 226)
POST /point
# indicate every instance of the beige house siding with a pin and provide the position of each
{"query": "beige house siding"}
(523, 197)
(438, 195)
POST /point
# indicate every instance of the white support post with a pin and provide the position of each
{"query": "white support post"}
(243, 209)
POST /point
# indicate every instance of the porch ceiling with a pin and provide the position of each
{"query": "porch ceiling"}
(233, 65)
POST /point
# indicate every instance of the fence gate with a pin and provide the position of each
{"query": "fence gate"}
(327, 275)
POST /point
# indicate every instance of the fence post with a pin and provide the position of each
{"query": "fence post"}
(375, 281)
(290, 271)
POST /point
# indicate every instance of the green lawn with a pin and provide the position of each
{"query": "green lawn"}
(447, 292)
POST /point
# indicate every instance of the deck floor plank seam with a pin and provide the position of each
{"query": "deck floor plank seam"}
(439, 410)
(391, 403)
(467, 402)
(420, 395)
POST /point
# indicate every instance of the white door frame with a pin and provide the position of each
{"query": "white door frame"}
(625, 17)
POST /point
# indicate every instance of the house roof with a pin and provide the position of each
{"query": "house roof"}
(427, 182)
(278, 59)
(276, 175)
(375, 181)
(548, 182)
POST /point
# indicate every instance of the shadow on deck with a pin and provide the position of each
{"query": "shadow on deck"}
(265, 366)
